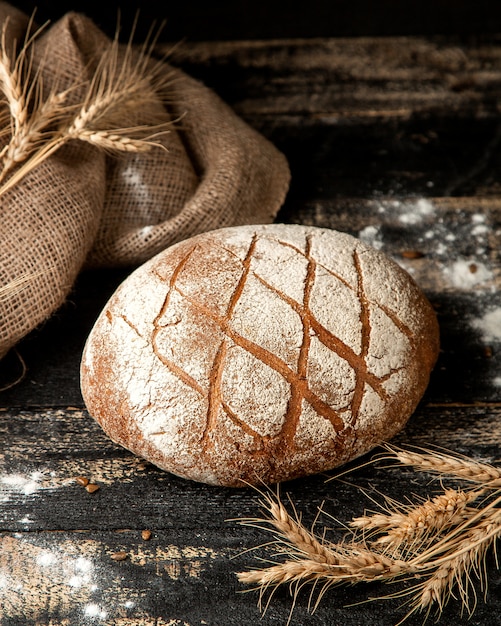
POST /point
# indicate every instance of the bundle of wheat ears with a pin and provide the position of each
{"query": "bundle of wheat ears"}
(108, 155)
(39, 122)
(441, 543)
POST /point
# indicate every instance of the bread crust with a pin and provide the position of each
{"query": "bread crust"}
(260, 353)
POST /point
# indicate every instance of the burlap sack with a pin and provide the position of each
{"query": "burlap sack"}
(49, 220)
(82, 207)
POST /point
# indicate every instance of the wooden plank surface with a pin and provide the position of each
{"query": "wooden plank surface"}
(393, 140)
(261, 19)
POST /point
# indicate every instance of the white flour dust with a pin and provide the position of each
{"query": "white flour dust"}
(489, 325)
(372, 236)
(94, 610)
(20, 483)
(136, 187)
(465, 274)
(458, 245)
(416, 212)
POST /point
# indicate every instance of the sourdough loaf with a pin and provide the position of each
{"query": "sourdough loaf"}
(259, 353)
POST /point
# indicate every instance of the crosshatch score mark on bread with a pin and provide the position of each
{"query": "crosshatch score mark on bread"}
(260, 353)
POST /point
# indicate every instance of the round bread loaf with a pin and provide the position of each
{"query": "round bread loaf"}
(259, 353)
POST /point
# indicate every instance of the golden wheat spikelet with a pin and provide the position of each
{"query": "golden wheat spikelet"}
(124, 82)
(440, 543)
(443, 464)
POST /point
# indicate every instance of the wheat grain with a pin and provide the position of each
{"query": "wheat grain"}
(418, 523)
(123, 84)
(293, 531)
(441, 542)
(12, 82)
(34, 132)
(112, 141)
(466, 553)
(447, 465)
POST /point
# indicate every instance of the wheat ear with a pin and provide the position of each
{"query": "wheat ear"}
(355, 564)
(13, 86)
(29, 113)
(448, 465)
(287, 572)
(112, 141)
(415, 525)
(453, 570)
(342, 561)
(124, 82)
(296, 535)
(441, 542)
(33, 133)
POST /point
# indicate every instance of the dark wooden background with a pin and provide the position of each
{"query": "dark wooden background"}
(199, 20)
(375, 129)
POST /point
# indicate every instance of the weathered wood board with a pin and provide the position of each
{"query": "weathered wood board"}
(393, 140)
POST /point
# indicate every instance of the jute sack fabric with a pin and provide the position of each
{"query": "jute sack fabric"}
(50, 219)
(86, 207)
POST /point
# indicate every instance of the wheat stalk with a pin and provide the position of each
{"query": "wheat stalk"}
(448, 465)
(414, 525)
(112, 141)
(441, 542)
(123, 84)
(33, 132)
(13, 86)
(454, 569)
(293, 533)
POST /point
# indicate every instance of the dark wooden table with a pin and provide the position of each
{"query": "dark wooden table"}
(396, 141)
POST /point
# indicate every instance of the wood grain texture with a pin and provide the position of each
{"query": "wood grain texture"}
(393, 140)
(346, 80)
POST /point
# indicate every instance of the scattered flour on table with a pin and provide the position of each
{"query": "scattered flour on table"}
(20, 483)
(412, 213)
(465, 273)
(461, 255)
(41, 570)
(29, 484)
(94, 610)
(489, 325)
(409, 213)
(372, 236)
(46, 559)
